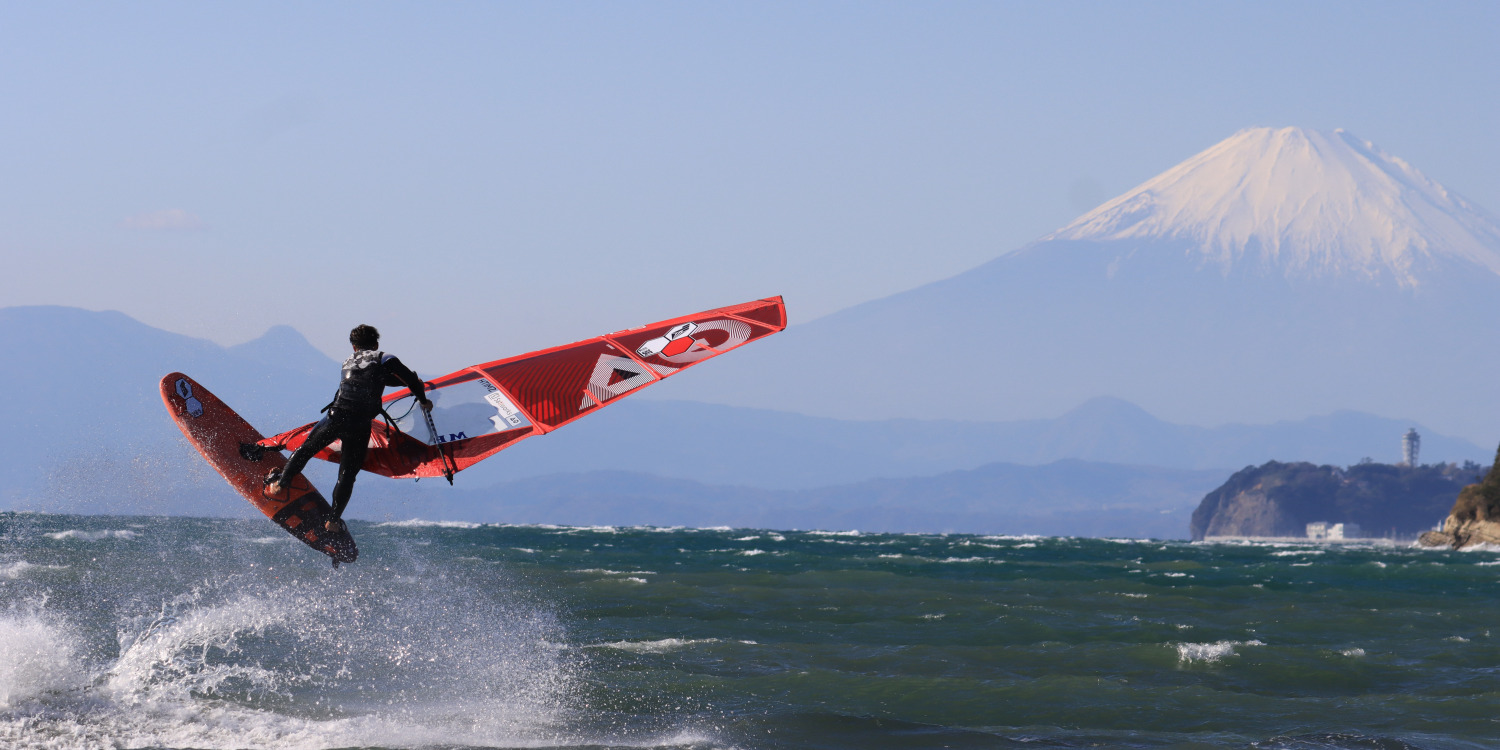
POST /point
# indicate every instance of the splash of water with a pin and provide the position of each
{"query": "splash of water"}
(38, 657)
(371, 658)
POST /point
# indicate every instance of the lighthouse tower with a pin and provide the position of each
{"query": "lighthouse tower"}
(1411, 444)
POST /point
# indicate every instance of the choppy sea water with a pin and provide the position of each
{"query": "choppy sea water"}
(136, 632)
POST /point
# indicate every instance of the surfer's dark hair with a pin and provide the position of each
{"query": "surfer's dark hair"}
(364, 337)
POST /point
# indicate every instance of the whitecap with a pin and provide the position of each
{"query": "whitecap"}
(93, 536)
(1209, 653)
(17, 569)
(418, 523)
(1482, 547)
(1353, 652)
(656, 647)
(753, 552)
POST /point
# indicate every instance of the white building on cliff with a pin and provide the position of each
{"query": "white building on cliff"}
(1326, 531)
(1411, 446)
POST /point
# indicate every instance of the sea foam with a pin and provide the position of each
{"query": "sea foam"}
(1188, 653)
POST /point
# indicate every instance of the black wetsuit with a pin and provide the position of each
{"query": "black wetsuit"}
(366, 374)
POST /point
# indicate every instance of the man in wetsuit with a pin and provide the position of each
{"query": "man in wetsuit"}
(366, 374)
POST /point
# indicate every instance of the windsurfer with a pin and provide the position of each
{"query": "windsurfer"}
(365, 376)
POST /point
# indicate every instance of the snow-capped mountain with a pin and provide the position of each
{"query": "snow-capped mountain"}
(1305, 202)
(1279, 274)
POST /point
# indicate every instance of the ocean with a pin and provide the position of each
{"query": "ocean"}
(140, 632)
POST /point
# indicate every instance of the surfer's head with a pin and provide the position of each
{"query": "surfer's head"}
(364, 337)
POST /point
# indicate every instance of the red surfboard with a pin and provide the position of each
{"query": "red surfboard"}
(217, 432)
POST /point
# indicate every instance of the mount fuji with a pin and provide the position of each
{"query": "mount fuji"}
(1298, 203)
(1279, 274)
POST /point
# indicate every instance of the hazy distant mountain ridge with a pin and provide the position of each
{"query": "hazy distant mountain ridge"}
(84, 389)
(89, 433)
(779, 450)
(1306, 202)
(284, 347)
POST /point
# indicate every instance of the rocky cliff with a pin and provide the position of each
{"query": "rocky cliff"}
(1475, 518)
(1280, 499)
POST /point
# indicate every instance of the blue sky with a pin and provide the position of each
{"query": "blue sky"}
(483, 179)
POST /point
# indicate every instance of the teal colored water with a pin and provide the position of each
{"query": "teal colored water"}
(198, 633)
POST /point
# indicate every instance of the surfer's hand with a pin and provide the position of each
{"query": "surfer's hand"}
(427, 406)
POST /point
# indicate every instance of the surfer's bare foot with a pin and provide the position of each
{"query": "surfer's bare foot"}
(334, 525)
(272, 482)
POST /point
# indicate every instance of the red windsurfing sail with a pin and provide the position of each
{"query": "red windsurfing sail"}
(481, 410)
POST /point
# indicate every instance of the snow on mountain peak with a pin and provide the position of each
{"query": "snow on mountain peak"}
(1311, 203)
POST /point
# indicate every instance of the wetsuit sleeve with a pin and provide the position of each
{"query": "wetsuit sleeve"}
(398, 374)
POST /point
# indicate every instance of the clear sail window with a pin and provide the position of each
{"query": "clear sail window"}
(459, 412)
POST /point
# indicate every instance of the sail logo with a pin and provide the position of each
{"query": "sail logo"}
(680, 347)
(453, 438)
(185, 390)
(670, 344)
